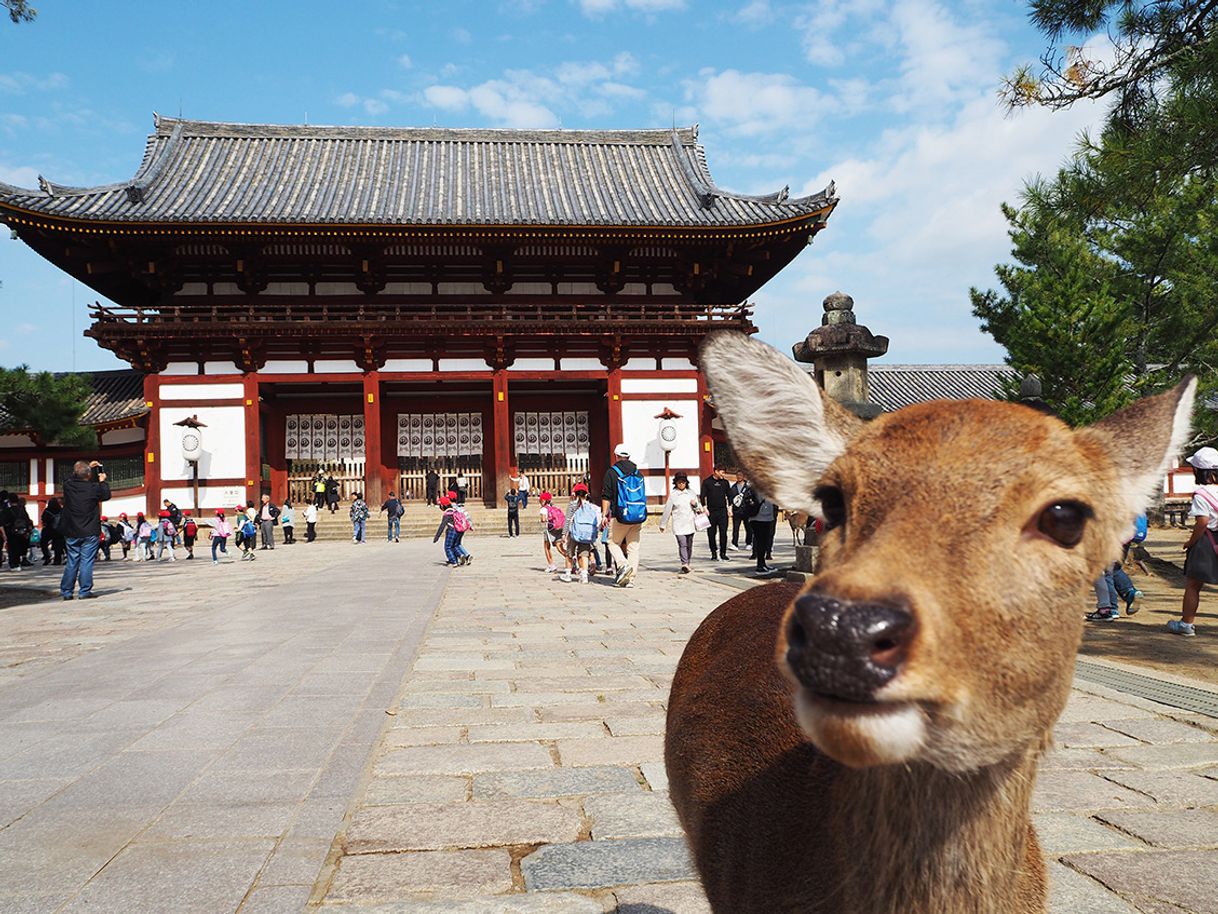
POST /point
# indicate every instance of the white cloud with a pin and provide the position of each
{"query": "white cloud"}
(751, 104)
(405, 62)
(462, 36)
(600, 7)
(347, 100)
(375, 106)
(19, 175)
(447, 98)
(19, 83)
(754, 13)
(942, 59)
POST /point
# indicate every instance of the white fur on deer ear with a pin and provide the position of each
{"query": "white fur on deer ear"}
(782, 426)
(1144, 438)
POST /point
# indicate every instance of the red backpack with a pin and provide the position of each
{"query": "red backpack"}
(557, 519)
(461, 522)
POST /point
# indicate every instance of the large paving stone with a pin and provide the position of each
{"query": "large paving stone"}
(1064, 833)
(1188, 879)
(436, 826)
(1169, 827)
(464, 759)
(1178, 755)
(401, 737)
(1080, 759)
(656, 775)
(601, 710)
(1160, 730)
(616, 750)
(551, 730)
(636, 726)
(1081, 790)
(425, 788)
(677, 898)
(1088, 735)
(529, 903)
(641, 814)
(604, 864)
(1170, 788)
(454, 874)
(1074, 893)
(555, 782)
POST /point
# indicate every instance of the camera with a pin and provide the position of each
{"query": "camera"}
(96, 472)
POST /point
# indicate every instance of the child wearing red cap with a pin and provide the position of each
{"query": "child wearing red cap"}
(221, 530)
(143, 538)
(448, 529)
(583, 523)
(552, 522)
(190, 530)
(126, 535)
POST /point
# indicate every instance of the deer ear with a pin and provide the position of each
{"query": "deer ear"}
(1144, 438)
(781, 425)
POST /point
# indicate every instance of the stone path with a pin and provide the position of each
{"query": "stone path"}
(190, 741)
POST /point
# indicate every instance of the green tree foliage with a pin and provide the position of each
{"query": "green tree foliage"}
(47, 405)
(19, 10)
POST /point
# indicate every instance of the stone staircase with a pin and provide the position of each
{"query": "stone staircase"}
(420, 521)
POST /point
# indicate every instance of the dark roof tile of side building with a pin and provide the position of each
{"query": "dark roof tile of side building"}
(221, 173)
(896, 386)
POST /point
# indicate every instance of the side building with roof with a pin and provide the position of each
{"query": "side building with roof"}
(375, 302)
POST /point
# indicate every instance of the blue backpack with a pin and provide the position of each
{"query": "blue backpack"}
(584, 523)
(631, 507)
(1140, 528)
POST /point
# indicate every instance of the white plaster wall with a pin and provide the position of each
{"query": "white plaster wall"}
(582, 365)
(202, 392)
(1183, 481)
(638, 364)
(407, 364)
(15, 441)
(221, 368)
(464, 364)
(640, 430)
(532, 365)
(123, 436)
(659, 385)
(676, 364)
(336, 366)
(130, 505)
(180, 368)
(210, 498)
(655, 484)
(223, 443)
(286, 367)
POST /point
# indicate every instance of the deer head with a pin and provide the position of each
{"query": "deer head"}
(944, 619)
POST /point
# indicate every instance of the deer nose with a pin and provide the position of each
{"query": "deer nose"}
(846, 650)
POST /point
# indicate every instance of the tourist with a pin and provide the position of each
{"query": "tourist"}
(319, 490)
(393, 507)
(553, 522)
(287, 522)
(448, 530)
(51, 540)
(511, 498)
(1201, 549)
(739, 494)
(432, 485)
(610, 566)
(126, 532)
(763, 523)
(682, 507)
(310, 516)
(166, 536)
(249, 533)
(716, 491)
(624, 498)
(462, 484)
(105, 538)
(462, 524)
(268, 517)
(83, 493)
(359, 518)
(221, 530)
(190, 531)
(583, 524)
(143, 539)
(332, 493)
(15, 522)
(522, 486)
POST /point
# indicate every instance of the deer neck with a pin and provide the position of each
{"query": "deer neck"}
(927, 840)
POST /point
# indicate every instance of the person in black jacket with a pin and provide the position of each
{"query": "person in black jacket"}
(81, 526)
(52, 540)
(736, 493)
(15, 522)
(715, 494)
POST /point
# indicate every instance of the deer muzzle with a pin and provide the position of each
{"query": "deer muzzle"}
(845, 650)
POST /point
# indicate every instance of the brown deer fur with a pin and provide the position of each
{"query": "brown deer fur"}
(917, 802)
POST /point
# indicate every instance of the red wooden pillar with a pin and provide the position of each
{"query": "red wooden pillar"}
(501, 435)
(614, 397)
(152, 446)
(706, 443)
(374, 470)
(253, 438)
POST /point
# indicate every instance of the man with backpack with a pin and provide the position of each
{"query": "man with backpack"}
(393, 507)
(624, 497)
(582, 526)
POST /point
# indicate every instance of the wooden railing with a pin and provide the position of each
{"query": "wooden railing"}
(300, 483)
(413, 482)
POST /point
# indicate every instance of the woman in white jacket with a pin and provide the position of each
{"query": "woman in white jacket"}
(682, 508)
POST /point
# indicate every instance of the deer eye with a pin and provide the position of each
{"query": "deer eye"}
(1064, 522)
(832, 505)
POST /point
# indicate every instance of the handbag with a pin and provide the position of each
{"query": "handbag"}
(701, 522)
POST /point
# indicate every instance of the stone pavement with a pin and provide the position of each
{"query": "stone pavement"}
(190, 740)
(523, 770)
(217, 739)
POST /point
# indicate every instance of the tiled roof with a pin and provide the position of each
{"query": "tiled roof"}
(116, 395)
(205, 172)
(895, 386)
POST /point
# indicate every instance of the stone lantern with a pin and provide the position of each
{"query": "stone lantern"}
(839, 349)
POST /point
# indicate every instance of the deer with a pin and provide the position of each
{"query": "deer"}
(867, 743)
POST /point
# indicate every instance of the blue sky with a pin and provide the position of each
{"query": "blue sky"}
(895, 100)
